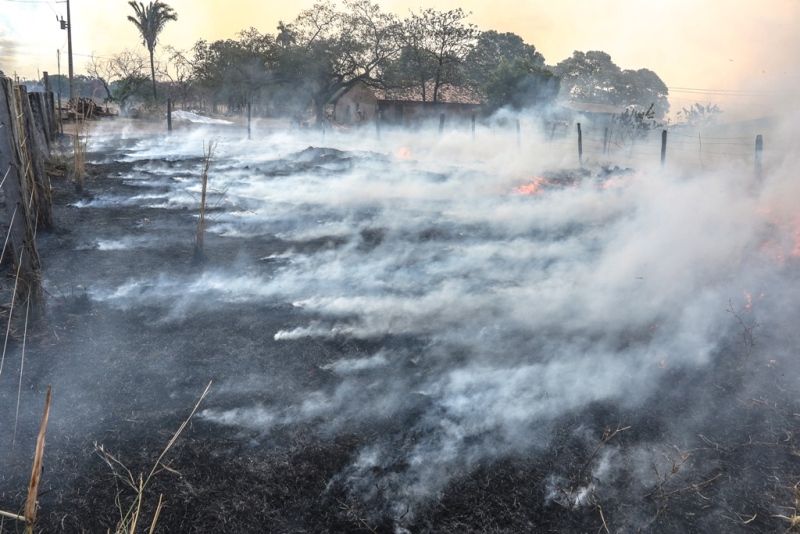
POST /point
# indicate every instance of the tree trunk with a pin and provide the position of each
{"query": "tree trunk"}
(153, 73)
(107, 89)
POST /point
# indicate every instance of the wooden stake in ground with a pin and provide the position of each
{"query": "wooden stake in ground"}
(208, 154)
(36, 474)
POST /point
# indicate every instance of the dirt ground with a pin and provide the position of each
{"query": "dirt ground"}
(124, 380)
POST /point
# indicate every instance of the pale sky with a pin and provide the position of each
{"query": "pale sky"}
(745, 49)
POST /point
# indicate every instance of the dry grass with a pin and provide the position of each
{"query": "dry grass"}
(80, 140)
(208, 154)
(794, 518)
(130, 516)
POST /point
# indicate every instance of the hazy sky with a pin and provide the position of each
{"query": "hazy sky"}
(745, 49)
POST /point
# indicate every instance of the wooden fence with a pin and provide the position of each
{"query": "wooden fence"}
(28, 129)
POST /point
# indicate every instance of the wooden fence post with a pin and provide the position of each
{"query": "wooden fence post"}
(759, 150)
(21, 234)
(663, 147)
(39, 112)
(169, 115)
(34, 153)
(441, 123)
(605, 142)
(249, 118)
(519, 138)
(49, 108)
(378, 116)
(473, 125)
(580, 146)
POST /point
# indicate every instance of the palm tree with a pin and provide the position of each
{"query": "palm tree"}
(150, 20)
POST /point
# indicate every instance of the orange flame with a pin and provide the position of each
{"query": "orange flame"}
(535, 187)
(404, 153)
(786, 247)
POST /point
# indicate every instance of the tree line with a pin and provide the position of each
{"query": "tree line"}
(329, 48)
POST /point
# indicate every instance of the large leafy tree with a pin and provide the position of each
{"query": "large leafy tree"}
(180, 75)
(492, 49)
(643, 87)
(517, 84)
(123, 76)
(150, 20)
(589, 77)
(435, 45)
(236, 70)
(332, 50)
(593, 77)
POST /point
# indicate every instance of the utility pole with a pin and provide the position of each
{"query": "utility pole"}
(67, 25)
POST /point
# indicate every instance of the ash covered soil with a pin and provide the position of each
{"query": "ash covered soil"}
(396, 346)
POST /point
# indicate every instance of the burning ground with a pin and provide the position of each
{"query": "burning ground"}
(411, 344)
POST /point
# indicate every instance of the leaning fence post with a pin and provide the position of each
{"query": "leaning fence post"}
(580, 146)
(663, 147)
(759, 150)
(441, 123)
(605, 142)
(169, 115)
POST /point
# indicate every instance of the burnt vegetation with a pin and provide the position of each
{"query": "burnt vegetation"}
(392, 347)
(709, 447)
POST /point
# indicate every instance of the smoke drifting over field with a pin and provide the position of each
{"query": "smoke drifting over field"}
(489, 324)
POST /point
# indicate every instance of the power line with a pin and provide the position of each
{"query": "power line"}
(48, 2)
(723, 90)
(729, 92)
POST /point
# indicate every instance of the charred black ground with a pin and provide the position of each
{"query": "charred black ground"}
(719, 438)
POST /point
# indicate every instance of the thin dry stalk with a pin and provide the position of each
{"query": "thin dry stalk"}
(608, 435)
(208, 154)
(80, 141)
(663, 478)
(36, 474)
(138, 511)
(603, 518)
(128, 522)
(157, 513)
(12, 516)
(748, 338)
(356, 517)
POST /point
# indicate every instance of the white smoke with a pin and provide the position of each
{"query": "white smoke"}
(526, 308)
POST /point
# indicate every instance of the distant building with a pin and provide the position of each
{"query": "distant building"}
(401, 106)
(587, 112)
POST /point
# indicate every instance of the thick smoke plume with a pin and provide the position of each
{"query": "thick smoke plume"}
(488, 318)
